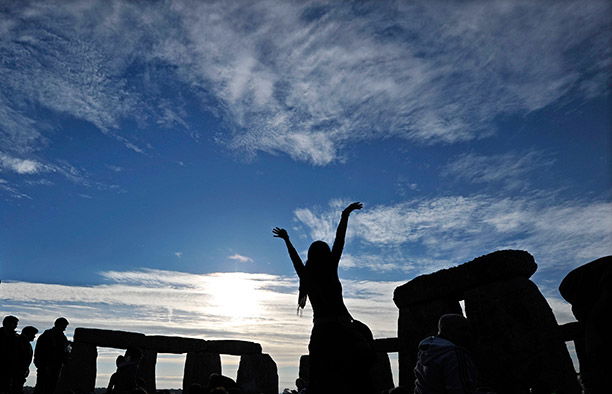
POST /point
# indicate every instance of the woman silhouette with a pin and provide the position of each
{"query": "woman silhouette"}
(340, 347)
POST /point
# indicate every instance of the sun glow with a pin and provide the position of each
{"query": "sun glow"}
(235, 296)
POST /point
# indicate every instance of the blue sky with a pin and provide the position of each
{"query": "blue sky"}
(141, 142)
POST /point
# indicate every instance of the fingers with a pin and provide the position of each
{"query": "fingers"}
(279, 232)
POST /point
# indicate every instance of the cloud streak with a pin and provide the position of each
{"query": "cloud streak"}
(443, 231)
(510, 170)
(303, 79)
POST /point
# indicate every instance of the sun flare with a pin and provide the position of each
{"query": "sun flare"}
(235, 296)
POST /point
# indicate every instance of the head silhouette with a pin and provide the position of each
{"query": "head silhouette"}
(318, 252)
(456, 329)
(10, 322)
(29, 332)
(61, 323)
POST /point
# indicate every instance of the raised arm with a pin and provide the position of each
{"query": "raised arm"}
(341, 231)
(295, 257)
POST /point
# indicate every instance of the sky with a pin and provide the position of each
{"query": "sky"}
(147, 149)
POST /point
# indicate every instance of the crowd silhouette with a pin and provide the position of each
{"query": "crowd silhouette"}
(52, 351)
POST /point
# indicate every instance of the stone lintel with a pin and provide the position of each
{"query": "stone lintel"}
(387, 345)
(108, 338)
(233, 347)
(453, 282)
(571, 331)
(162, 343)
(169, 344)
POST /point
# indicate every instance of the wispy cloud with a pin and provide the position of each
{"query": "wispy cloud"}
(421, 233)
(20, 166)
(304, 79)
(240, 258)
(510, 170)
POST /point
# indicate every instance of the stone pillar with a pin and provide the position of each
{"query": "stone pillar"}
(257, 373)
(79, 373)
(518, 344)
(146, 369)
(589, 289)
(381, 374)
(198, 367)
(417, 322)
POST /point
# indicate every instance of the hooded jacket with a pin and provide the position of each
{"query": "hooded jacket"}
(443, 367)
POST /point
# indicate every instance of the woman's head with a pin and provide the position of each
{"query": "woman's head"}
(318, 251)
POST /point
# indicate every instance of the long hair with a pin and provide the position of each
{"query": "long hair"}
(318, 254)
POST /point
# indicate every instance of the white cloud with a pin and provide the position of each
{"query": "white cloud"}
(304, 79)
(240, 258)
(437, 232)
(20, 166)
(178, 254)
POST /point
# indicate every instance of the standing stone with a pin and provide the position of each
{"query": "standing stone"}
(589, 289)
(381, 375)
(417, 322)
(198, 367)
(518, 345)
(257, 373)
(146, 369)
(79, 373)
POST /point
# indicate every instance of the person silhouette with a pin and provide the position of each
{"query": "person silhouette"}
(341, 348)
(50, 354)
(125, 379)
(8, 343)
(23, 358)
(444, 363)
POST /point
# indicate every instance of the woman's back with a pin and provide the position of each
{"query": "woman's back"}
(325, 294)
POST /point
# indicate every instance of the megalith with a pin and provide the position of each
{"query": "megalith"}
(518, 346)
(589, 289)
(198, 367)
(146, 369)
(257, 373)
(380, 373)
(79, 373)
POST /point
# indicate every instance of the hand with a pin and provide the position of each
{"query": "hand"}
(352, 207)
(280, 233)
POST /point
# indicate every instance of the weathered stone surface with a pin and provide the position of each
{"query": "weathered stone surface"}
(198, 367)
(257, 373)
(453, 282)
(381, 375)
(518, 345)
(79, 373)
(417, 322)
(169, 344)
(108, 338)
(304, 372)
(582, 286)
(146, 370)
(233, 347)
(387, 345)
